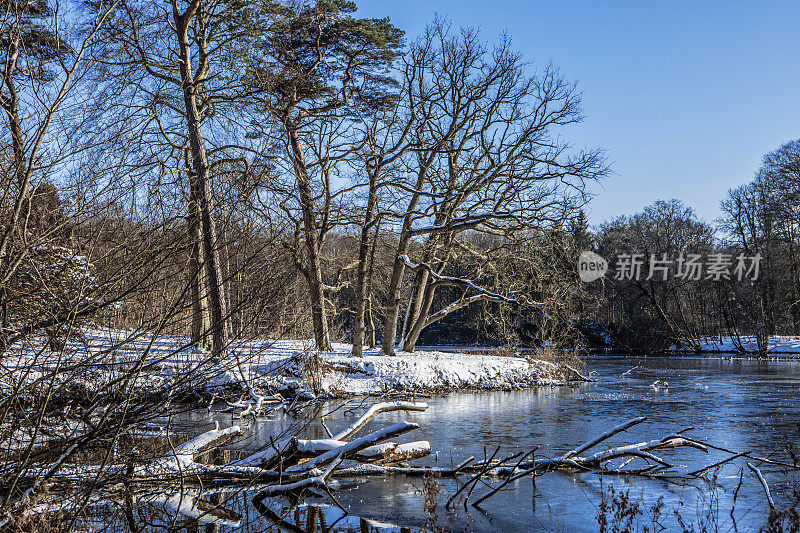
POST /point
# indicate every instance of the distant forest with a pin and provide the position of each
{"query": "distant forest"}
(760, 219)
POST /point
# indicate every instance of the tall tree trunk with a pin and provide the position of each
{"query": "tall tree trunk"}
(426, 300)
(201, 320)
(393, 303)
(363, 267)
(10, 105)
(369, 310)
(314, 271)
(415, 304)
(370, 323)
(216, 289)
(418, 309)
(399, 268)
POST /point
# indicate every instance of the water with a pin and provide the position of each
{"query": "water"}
(742, 405)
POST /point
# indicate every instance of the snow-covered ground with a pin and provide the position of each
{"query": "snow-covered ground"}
(776, 344)
(267, 367)
(418, 371)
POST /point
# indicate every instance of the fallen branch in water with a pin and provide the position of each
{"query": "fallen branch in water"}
(628, 371)
(573, 461)
(577, 375)
(376, 409)
(763, 482)
(718, 463)
(294, 466)
(285, 449)
(605, 436)
(300, 462)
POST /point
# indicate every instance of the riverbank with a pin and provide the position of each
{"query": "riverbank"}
(102, 358)
(776, 344)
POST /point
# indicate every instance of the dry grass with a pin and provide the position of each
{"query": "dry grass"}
(565, 357)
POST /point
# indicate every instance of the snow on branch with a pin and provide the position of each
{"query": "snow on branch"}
(376, 409)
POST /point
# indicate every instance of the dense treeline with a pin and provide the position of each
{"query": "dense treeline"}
(755, 292)
(227, 169)
(232, 169)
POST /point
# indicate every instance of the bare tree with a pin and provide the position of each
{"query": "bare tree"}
(42, 59)
(173, 78)
(488, 160)
(189, 82)
(388, 137)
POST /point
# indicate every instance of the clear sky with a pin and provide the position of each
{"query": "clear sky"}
(686, 97)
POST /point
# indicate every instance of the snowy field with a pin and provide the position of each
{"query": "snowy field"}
(264, 367)
(776, 344)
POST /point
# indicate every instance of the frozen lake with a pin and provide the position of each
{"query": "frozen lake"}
(742, 405)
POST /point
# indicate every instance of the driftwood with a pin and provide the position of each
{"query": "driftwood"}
(304, 465)
(573, 460)
(575, 375)
(717, 464)
(270, 456)
(605, 436)
(179, 481)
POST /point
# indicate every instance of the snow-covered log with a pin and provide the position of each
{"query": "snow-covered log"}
(605, 436)
(266, 457)
(391, 452)
(319, 480)
(207, 441)
(376, 409)
(764, 484)
(357, 445)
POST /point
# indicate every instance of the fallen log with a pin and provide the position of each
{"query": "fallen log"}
(355, 446)
(179, 468)
(178, 480)
(374, 410)
(267, 458)
(605, 436)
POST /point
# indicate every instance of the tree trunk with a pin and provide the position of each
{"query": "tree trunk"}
(393, 303)
(393, 296)
(370, 323)
(369, 310)
(396, 282)
(201, 321)
(415, 305)
(314, 271)
(216, 289)
(361, 276)
(426, 300)
(10, 105)
(419, 306)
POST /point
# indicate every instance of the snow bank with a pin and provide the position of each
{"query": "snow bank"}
(777, 344)
(294, 364)
(266, 367)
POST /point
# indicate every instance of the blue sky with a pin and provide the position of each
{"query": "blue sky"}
(686, 97)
